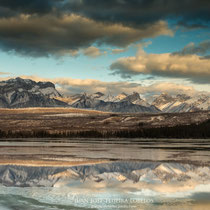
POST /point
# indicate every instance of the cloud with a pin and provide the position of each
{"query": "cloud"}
(126, 12)
(32, 35)
(117, 51)
(206, 57)
(65, 27)
(187, 66)
(138, 12)
(13, 8)
(93, 52)
(138, 46)
(4, 73)
(202, 48)
(73, 86)
(191, 26)
(70, 86)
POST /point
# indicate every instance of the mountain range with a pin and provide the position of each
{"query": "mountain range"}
(134, 103)
(121, 103)
(20, 93)
(106, 173)
(182, 103)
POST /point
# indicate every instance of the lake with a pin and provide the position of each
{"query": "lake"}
(104, 174)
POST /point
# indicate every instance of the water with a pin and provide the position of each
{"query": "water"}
(104, 174)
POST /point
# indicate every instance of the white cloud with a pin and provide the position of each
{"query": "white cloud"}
(93, 52)
(191, 67)
(117, 51)
(4, 73)
(71, 86)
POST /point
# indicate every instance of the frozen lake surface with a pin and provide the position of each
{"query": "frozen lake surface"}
(104, 174)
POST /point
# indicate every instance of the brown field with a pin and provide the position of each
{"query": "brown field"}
(48, 163)
(71, 119)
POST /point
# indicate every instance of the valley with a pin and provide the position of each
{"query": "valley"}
(38, 122)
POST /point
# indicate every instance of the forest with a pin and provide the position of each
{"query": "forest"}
(201, 131)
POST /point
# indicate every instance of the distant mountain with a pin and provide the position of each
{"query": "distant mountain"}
(134, 103)
(136, 99)
(121, 103)
(20, 93)
(182, 103)
(106, 173)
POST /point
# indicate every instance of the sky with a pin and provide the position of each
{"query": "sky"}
(112, 46)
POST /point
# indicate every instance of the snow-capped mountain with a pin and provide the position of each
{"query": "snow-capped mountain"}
(134, 103)
(182, 103)
(120, 103)
(136, 99)
(19, 93)
(120, 97)
(118, 172)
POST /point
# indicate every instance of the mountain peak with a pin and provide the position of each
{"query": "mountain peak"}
(97, 95)
(133, 97)
(183, 97)
(162, 100)
(165, 94)
(18, 79)
(19, 93)
(122, 95)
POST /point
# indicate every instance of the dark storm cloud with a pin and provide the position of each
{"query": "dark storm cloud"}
(201, 49)
(205, 57)
(136, 12)
(46, 35)
(192, 26)
(15, 7)
(60, 27)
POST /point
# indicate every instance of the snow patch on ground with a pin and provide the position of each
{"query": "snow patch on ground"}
(67, 115)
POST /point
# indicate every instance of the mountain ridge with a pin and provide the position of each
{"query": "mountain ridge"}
(23, 93)
(118, 172)
(182, 103)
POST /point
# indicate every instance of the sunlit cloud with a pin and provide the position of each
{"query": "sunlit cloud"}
(32, 35)
(69, 86)
(93, 52)
(188, 66)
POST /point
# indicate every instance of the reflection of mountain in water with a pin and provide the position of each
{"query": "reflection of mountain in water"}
(119, 172)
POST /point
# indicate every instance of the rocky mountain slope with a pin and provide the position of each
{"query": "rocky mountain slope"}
(19, 93)
(114, 172)
(121, 103)
(182, 103)
(134, 103)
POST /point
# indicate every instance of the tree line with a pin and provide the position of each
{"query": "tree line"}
(201, 130)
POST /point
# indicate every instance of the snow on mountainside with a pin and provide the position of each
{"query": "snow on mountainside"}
(121, 96)
(121, 103)
(117, 172)
(135, 99)
(182, 103)
(19, 93)
(134, 103)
